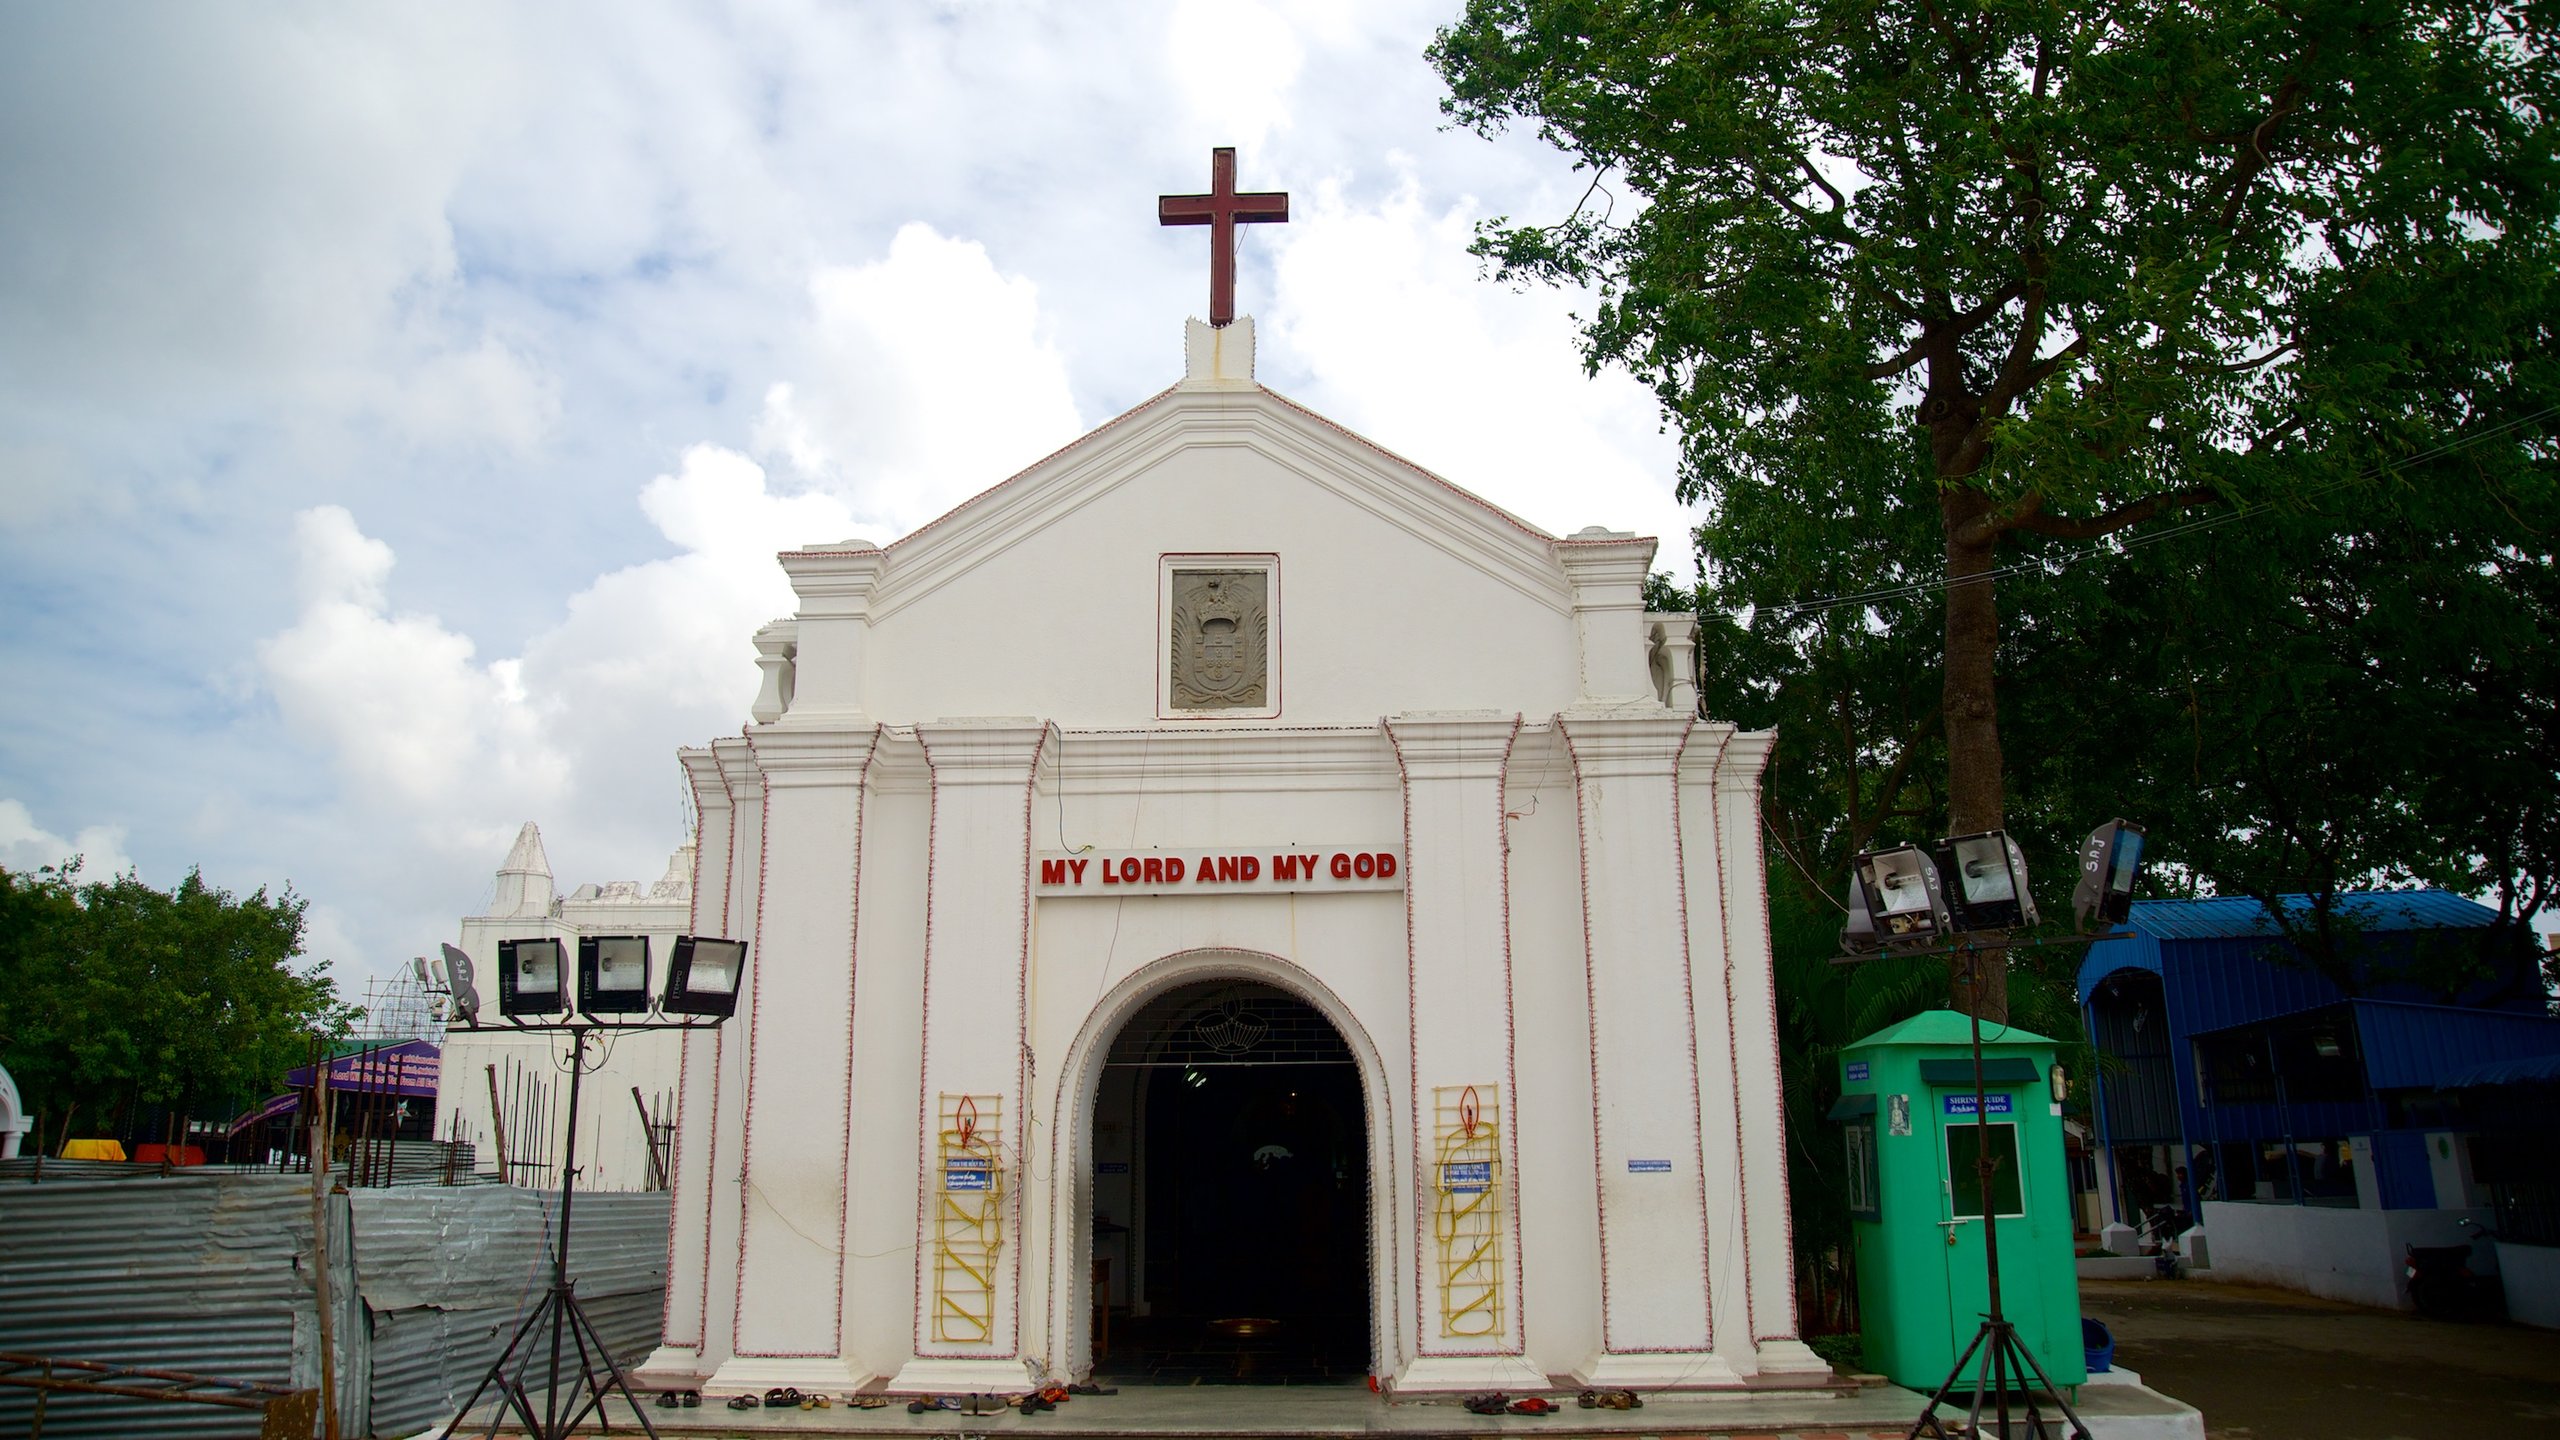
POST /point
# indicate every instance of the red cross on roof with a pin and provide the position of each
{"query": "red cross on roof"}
(1222, 210)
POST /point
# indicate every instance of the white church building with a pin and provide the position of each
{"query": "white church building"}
(1229, 876)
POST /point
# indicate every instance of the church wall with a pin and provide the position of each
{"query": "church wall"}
(1578, 925)
(1044, 619)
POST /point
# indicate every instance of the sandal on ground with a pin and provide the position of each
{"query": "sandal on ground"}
(667, 1400)
(690, 1399)
(1620, 1400)
(742, 1402)
(1588, 1399)
(867, 1402)
(1532, 1405)
(781, 1397)
(1487, 1404)
(815, 1402)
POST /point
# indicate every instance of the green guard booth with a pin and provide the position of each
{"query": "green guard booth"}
(1915, 1208)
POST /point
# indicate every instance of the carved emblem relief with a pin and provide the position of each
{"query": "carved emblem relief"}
(1221, 639)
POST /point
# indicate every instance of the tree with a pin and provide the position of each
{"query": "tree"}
(2034, 274)
(114, 994)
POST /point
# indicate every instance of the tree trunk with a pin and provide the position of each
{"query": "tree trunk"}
(1974, 779)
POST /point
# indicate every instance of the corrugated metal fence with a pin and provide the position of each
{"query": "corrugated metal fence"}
(211, 1273)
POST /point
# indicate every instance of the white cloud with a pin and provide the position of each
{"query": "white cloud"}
(928, 377)
(397, 700)
(26, 846)
(469, 272)
(1236, 62)
(1480, 384)
(435, 744)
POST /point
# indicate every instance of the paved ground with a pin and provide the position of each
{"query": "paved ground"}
(2272, 1365)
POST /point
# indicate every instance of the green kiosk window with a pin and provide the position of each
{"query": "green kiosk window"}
(1964, 1138)
(1862, 1168)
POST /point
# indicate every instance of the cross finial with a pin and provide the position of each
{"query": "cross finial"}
(1222, 210)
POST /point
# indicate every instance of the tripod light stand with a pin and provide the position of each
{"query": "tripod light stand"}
(2005, 1358)
(1973, 888)
(702, 986)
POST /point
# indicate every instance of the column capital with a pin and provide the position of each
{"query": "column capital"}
(982, 750)
(702, 773)
(1452, 744)
(1646, 744)
(804, 755)
(739, 772)
(1745, 756)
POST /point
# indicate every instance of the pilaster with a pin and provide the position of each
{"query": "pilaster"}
(743, 889)
(1457, 900)
(1607, 570)
(977, 939)
(831, 633)
(799, 1074)
(1648, 1152)
(678, 1360)
(1768, 1226)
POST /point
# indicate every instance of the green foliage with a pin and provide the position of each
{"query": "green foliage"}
(2022, 289)
(114, 994)
(1991, 280)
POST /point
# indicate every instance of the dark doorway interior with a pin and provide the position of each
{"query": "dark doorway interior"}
(1248, 1246)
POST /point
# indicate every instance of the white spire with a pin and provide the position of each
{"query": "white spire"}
(524, 882)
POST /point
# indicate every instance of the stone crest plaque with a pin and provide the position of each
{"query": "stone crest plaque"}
(1221, 639)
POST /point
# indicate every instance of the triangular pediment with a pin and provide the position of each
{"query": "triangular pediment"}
(1139, 448)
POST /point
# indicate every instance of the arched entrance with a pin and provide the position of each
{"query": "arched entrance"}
(1231, 1146)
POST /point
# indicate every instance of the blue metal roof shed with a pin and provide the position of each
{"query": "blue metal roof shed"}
(2237, 1052)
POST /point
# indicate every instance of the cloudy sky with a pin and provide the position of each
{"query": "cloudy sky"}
(400, 405)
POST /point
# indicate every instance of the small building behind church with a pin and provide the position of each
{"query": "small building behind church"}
(1227, 883)
(506, 1093)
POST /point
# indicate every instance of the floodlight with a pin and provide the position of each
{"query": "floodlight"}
(1986, 877)
(458, 976)
(532, 977)
(704, 975)
(1902, 893)
(2110, 864)
(1859, 935)
(613, 974)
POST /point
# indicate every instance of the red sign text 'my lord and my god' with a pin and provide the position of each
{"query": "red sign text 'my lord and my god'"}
(1202, 872)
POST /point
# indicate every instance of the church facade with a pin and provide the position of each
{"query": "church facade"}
(1227, 878)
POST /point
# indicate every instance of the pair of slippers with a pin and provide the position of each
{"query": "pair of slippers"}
(670, 1399)
(780, 1397)
(1609, 1400)
(1498, 1403)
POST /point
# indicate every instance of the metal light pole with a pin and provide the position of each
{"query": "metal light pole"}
(1897, 900)
(702, 986)
(598, 1374)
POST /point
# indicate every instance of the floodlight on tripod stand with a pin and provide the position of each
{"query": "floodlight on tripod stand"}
(704, 975)
(1962, 902)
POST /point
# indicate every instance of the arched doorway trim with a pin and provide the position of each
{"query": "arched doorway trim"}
(1071, 1144)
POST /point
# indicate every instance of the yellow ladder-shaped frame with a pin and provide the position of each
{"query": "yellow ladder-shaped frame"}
(968, 1218)
(1467, 1218)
